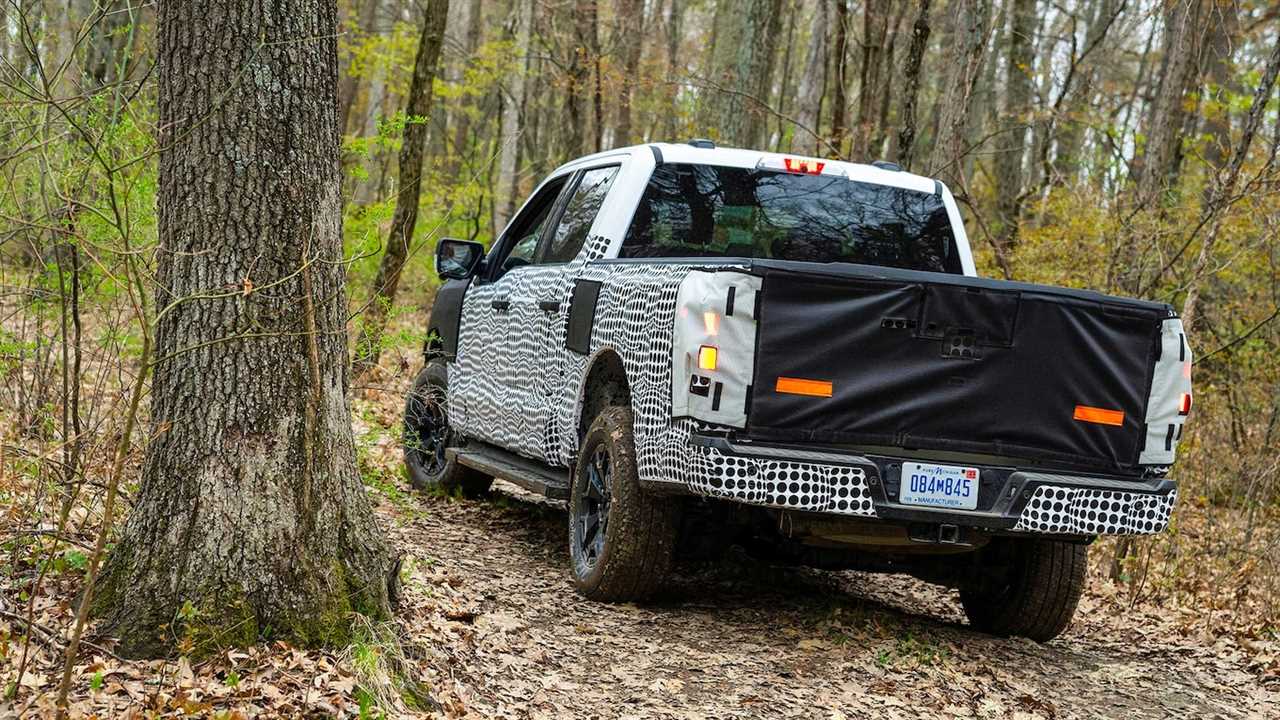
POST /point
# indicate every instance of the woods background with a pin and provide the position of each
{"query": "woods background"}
(1127, 146)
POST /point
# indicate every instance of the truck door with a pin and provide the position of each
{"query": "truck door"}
(489, 382)
(543, 307)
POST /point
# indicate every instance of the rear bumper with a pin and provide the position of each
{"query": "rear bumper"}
(1010, 500)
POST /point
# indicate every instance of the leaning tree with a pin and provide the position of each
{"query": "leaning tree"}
(251, 520)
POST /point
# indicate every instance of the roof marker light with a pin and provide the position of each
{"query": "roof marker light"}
(800, 166)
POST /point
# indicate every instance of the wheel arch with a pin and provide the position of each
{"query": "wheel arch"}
(604, 383)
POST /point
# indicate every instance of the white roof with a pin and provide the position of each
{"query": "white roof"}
(740, 157)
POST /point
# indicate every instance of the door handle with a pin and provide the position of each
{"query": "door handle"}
(500, 304)
(549, 306)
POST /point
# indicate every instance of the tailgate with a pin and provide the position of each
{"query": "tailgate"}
(859, 355)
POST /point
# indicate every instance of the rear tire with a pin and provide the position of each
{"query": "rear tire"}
(427, 437)
(1037, 596)
(621, 538)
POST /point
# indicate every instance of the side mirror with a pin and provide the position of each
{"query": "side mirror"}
(458, 259)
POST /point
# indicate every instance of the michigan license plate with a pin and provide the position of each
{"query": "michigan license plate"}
(941, 486)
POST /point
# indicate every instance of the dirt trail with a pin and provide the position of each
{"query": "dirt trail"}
(489, 597)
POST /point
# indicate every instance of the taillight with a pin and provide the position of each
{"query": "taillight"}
(711, 322)
(707, 357)
(1184, 404)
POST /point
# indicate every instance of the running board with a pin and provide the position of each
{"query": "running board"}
(551, 483)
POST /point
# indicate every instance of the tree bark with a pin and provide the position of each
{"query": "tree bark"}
(675, 28)
(840, 71)
(1219, 82)
(1155, 164)
(813, 83)
(875, 31)
(911, 86)
(1017, 106)
(405, 219)
(742, 71)
(629, 37)
(970, 23)
(251, 517)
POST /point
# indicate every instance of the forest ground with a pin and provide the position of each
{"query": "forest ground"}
(490, 626)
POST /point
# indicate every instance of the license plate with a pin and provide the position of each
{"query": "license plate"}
(941, 486)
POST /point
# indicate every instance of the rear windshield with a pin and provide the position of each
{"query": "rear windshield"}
(713, 211)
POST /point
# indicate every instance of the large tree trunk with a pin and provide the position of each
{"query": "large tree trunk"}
(875, 32)
(628, 39)
(742, 71)
(1220, 83)
(840, 73)
(970, 24)
(1164, 125)
(813, 84)
(911, 86)
(1017, 106)
(412, 148)
(582, 57)
(251, 516)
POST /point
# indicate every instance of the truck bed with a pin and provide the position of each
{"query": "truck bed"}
(931, 361)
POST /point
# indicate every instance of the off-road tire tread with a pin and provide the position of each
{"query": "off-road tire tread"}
(642, 528)
(1047, 580)
(456, 476)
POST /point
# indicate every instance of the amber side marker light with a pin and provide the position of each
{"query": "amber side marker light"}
(1101, 416)
(707, 357)
(801, 386)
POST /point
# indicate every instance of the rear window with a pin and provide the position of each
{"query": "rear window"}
(713, 211)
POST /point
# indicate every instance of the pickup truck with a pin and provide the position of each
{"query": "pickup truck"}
(698, 346)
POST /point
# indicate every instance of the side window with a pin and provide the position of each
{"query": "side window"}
(520, 243)
(578, 215)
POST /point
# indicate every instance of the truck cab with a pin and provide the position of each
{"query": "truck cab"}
(795, 355)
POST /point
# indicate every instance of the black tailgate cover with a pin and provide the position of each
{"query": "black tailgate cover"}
(931, 361)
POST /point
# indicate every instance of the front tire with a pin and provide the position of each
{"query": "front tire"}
(427, 438)
(621, 538)
(1036, 596)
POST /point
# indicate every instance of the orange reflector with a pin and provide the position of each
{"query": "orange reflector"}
(1101, 416)
(711, 322)
(800, 386)
(1184, 404)
(707, 356)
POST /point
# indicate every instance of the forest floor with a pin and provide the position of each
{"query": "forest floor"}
(490, 626)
